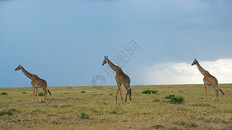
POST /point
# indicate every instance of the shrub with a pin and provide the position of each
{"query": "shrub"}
(41, 94)
(169, 96)
(177, 99)
(149, 91)
(24, 92)
(4, 93)
(82, 91)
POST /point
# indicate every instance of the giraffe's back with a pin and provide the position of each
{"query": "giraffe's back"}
(211, 80)
(38, 82)
(122, 78)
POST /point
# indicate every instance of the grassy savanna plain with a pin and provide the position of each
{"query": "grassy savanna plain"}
(90, 107)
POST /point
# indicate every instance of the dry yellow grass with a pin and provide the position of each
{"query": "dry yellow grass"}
(68, 108)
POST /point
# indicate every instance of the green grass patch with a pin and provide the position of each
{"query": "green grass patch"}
(84, 116)
(82, 91)
(180, 123)
(67, 105)
(8, 112)
(193, 125)
(41, 94)
(158, 126)
(24, 92)
(38, 111)
(169, 96)
(14, 120)
(3, 93)
(113, 112)
(200, 104)
(175, 99)
(149, 91)
(155, 100)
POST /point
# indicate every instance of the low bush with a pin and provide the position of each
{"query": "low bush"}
(169, 96)
(41, 94)
(4, 93)
(24, 92)
(175, 99)
(82, 91)
(149, 91)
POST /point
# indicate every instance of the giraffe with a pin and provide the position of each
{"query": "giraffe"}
(36, 83)
(209, 80)
(121, 79)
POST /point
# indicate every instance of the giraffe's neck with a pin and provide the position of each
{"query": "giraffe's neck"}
(112, 66)
(203, 71)
(29, 75)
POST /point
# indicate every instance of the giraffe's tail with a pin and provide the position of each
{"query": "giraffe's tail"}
(222, 92)
(130, 91)
(49, 92)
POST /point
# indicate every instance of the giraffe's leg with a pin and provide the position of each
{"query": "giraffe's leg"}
(130, 95)
(37, 94)
(211, 92)
(205, 90)
(119, 88)
(117, 91)
(127, 91)
(216, 91)
(33, 94)
(126, 95)
(116, 95)
(121, 95)
(45, 98)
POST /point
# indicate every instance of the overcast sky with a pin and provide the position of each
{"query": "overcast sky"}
(65, 41)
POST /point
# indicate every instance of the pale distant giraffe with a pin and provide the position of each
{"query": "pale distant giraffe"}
(36, 83)
(121, 78)
(209, 80)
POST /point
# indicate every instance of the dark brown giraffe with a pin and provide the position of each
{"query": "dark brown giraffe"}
(209, 80)
(36, 83)
(121, 79)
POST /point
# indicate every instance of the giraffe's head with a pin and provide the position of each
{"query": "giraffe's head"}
(105, 60)
(194, 62)
(18, 68)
